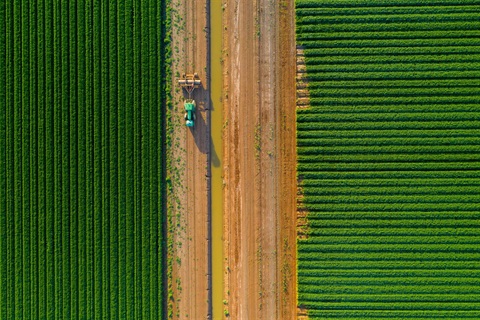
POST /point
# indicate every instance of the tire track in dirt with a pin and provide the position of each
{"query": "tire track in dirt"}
(260, 160)
(188, 156)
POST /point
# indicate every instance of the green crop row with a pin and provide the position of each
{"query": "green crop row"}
(383, 141)
(318, 204)
(381, 3)
(388, 108)
(388, 27)
(320, 10)
(389, 240)
(393, 314)
(419, 189)
(394, 67)
(312, 40)
(435, 17)
(391, 125)
(389, 166)
(393, 198)
(392, 289)
(371, 306)
(412, 219)
(323, 282)
(386, 96)
(316, 90)
(374, 141)
(469, 98)
(390, 182)
(368, 274)
(321, 248)
(384, 59)
(390, 256)
(376, 76)
(435, 298)
(389, 149)
(304, 132)
(406, 219)
(359, 175)
(398, 52)
(388, 158)
(306, 264)
(397, 232)
(385, 37)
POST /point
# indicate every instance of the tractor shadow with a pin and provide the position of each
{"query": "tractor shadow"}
(200, 130)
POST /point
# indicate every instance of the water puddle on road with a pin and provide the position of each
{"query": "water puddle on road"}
(216, 157)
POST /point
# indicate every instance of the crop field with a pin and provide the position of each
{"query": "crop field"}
(389, 159)
(81, 159)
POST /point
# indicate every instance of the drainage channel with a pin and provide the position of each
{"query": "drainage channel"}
(216, 151)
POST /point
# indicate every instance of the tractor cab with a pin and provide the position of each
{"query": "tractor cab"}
(189, 106)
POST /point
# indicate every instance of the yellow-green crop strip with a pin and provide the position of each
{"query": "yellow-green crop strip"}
(82, 96)
(389, 159)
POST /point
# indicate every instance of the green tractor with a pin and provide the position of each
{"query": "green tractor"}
(189, 106)
(189, 82)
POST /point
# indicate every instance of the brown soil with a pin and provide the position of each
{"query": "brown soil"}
(188, 155)
(260, 159)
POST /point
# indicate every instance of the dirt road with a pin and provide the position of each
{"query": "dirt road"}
(188, 205)
(259, 158)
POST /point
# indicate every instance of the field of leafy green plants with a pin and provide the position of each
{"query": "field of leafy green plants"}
(389, 159)
(81, 153)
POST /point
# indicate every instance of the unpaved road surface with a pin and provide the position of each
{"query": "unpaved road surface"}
(188, 228)
(260, 159)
